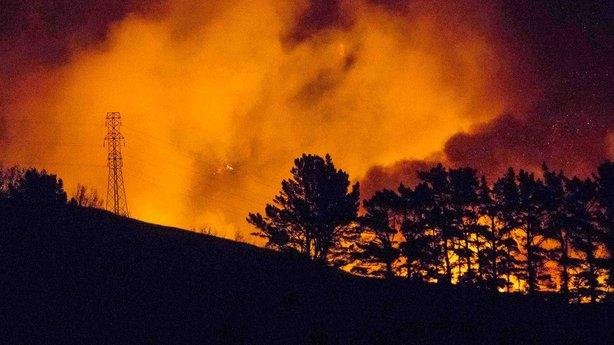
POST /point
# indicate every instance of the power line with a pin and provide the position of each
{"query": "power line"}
(55, 163)
(162, 143)
(194, 155)
(57, 123)
(52, 143)
(149, 179)
(149, 139)
(170, 143)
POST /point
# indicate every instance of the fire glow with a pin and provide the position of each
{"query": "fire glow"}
(217, 99)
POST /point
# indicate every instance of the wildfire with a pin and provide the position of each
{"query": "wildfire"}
(203, 85)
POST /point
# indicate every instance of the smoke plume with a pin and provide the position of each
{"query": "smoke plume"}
(219, 97)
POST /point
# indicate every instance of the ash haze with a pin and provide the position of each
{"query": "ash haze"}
(218, 97)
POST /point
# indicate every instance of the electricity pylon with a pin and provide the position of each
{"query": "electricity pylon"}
(116, 192)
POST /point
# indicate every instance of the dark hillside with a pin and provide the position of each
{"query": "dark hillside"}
(86, 276)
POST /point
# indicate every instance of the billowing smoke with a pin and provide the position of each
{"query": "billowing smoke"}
(218, 97)
(570, 123)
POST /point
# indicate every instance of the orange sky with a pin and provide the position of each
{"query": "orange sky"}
(216, 103)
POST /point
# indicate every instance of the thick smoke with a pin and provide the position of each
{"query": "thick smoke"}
(37, 36)
(570, 125)
(379, 177)
(219, 97)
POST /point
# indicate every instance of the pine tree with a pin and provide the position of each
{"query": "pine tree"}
(496, 259)
(586, 235)
(558, 227)
(533, 219)
(38, 191)
(438, 216)
(505, 209)
(421, 247)
(464, 204)
(310, 211)
(380, 225)
(604, 178)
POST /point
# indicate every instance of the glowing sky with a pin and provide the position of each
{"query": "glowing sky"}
(218, 97)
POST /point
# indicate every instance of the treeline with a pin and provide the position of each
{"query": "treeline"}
(37, 192)
(520, 233)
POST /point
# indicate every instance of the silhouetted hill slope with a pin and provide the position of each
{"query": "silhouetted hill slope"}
(91, 277)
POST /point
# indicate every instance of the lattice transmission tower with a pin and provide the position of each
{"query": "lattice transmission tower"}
(116, 192)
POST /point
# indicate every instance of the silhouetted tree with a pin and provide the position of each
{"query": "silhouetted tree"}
(604, 178)
(488, 255)
(33, 207)
(451, 209)
(346, 251)
(421, 247)
(308, 213)
(496, 259)
(38, 191)
(586, 235)
(507, 198)
(558, 227)
(85, 197)
(438, 214)
(532, 214)
(9, 179)
(464, 204)
(380, 225)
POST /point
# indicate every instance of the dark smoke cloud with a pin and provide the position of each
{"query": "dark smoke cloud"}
(379, 177)
(570, 48)
(569, 45)
(574, 144)
(318, 16)
(45, 32)
(37, 35)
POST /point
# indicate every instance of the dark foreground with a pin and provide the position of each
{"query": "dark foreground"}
(93, 278)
